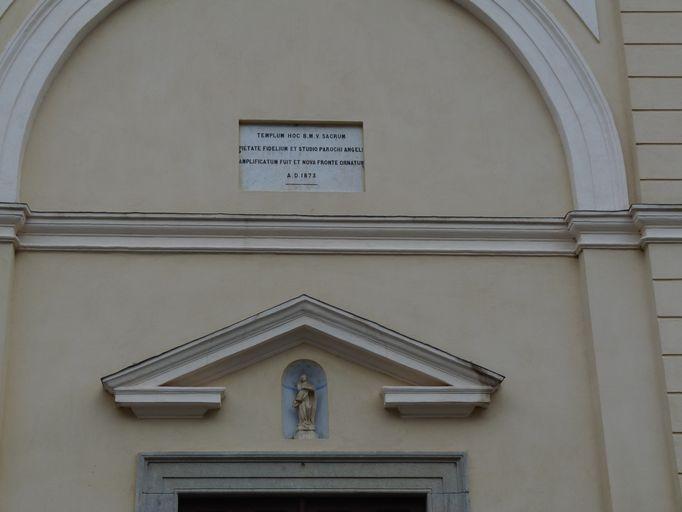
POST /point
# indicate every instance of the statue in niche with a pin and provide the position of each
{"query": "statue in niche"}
(306, 403)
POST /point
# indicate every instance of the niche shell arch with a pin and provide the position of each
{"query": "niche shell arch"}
(585, 122)
(318, 378)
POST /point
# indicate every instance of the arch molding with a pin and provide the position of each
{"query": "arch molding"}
(585, 122)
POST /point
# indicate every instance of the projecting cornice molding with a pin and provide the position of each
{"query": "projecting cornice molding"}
(290, 234)
(603, 230)
(169, 385)
(12, 219)
(658, 223)
(303, 234)
(583, 117)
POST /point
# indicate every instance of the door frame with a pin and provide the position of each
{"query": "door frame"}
(439, 476)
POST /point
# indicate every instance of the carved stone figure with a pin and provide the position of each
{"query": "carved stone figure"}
(306, 403)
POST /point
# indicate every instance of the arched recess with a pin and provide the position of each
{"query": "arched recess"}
(595, 160)
(317, 378)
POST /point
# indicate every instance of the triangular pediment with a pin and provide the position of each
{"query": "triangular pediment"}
(169, 385)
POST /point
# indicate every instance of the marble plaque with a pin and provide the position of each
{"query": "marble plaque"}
(301, 157)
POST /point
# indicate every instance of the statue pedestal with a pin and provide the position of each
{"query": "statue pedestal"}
(305, 434)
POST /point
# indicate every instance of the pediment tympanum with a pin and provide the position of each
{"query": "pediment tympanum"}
(172, 384)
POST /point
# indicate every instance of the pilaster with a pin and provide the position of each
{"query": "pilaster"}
(6, 278)
(629, 383)
(12, 217)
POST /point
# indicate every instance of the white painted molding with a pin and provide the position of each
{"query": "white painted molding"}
(579, 107)
(169, 402)
(584, 119)
(291, 234)
(603, 230)
(165, 386)
(4, 5)
(587, 12)
(658, 223)
(434, 402)
(303, 234)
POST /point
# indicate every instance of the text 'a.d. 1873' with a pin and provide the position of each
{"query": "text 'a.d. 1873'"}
(295, 157)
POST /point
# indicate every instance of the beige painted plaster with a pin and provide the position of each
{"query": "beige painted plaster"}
(629, 382)
(79, 317)
(6, 278)
(606, 59)
(144, 116)
(13, 17)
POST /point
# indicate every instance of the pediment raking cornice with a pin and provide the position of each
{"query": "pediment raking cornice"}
(168, 385)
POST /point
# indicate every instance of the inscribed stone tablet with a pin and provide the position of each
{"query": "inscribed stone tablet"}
(301, 157)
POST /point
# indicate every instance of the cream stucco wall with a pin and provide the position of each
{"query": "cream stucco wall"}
(629, 380)
(144, 115)
(653, 33)
(604, 56)
(77, 318)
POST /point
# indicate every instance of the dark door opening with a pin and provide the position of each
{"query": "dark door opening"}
(289, 503)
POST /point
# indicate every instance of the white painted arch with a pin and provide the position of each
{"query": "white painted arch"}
(595, 159)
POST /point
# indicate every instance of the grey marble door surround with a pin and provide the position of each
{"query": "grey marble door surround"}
(440, 477)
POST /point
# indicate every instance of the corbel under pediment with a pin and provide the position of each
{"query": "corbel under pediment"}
(172, 384)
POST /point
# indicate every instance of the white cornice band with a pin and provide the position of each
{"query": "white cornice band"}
(603, 230)
(658, 223)
(437, 384)
(583, 117)
(292, 234)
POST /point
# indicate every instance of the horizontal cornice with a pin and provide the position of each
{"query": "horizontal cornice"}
(304, 234)
(602, 230)
(12, 219)
(658, 223)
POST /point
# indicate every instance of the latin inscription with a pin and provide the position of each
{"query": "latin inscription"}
(308, 158)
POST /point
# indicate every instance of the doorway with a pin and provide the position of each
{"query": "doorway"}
(301, 481)
(289, 503)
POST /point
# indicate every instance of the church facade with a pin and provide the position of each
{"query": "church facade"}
(341, 255)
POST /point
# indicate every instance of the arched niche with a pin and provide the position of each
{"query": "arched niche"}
(316, 377)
